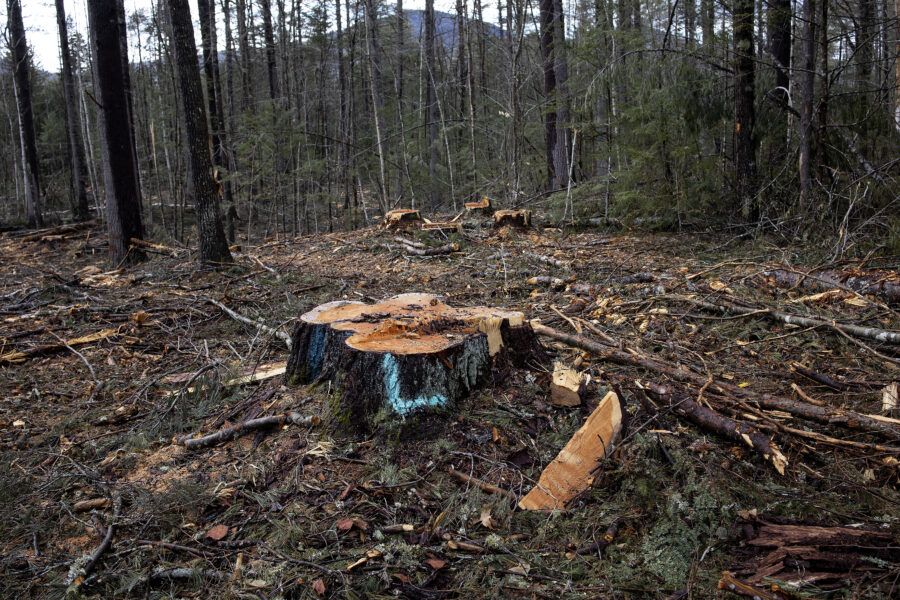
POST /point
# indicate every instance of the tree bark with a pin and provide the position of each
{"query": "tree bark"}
(377, 94)
(744, 109)
(779, 26)
(547, 10)
(244, 51)
(213, 247)
(80, 209)
(807, 95)
(123, 193)
(22, 79)
(430, 105)
(269, 38)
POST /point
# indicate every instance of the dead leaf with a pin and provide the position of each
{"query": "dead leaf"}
(436, 563)
(319, 586)
(217, 533)
(140, 317)
(345, 524)
(403, 578)
(486, 519)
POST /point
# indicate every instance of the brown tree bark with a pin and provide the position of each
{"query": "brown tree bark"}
(80, 209)
(123, 193)
(213, 247)
(22, 79)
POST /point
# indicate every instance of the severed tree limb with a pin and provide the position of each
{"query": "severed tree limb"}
(605, 541)
(240, 429)
(872, 333)
(548, 259)
(819, 414)
(248, 321)
(874, 284)
(101, 549)
(445, 249)
(487, 487)
(711, 420)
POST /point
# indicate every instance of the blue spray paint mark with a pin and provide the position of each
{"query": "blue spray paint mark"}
(315, 352)
(404, 406)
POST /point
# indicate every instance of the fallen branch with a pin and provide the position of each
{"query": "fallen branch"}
(248, 321)
(17, 357)
(548, 259)
(872, 283)
(101, 549)
(873, 333)
(819, 414)
(736, 586)
(600, 545)
(445, 249)
(240, 429)
(487, 487)
(726, 427)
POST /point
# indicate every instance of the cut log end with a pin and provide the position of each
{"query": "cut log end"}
(568, 387)
(404, 355)
(520, 219)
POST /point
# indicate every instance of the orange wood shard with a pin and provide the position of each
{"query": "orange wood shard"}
(571, 471)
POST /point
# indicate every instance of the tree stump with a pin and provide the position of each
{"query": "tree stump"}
(439, 227)
(406, 355)
(520, 219)
(483, 207)
(401, 218)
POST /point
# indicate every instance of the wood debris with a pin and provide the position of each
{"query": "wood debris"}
(568, 387)
(571, 472)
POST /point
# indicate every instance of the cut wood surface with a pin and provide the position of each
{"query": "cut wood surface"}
(442, 227)
(571, 472)
(483, 205)
(568, 386)
(405, 354)
(512, 218)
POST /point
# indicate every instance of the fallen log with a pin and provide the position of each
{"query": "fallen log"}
(713, 421)
(881, 284)
(43, 350)
(571, 472)
(248, 321)
(445, 249)
(442, 227)
(404, 355)
(235, 431)
(820, 414)
(548, 259)
(872, 333)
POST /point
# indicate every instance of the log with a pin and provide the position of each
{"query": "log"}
(401, 218)
(18, 357)
(568, 387)
(519, 219)
(441, 250)
(881, 284)
(406, 355)
(229, 433)
(571, 472)
(726, 427)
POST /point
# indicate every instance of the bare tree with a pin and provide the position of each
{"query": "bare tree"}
(744, 108)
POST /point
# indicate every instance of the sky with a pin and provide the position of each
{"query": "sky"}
(40, 22)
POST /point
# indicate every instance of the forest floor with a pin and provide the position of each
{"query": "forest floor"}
(99, 499)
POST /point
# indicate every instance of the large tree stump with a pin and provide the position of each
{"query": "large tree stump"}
(406, 355)
(520, 219)
(401, 218)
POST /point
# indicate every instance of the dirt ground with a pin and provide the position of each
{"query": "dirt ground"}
(318, 511)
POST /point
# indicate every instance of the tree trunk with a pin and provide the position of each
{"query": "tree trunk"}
(708, 21)
(807, 95)
(561, 73)
(779, 26)
(269, 38)
(22, 78)
(377, 94)
(123, 193)
(80, 209)
(865, 43)
(244, 50)
(744, 110)
(213, 247)
(822, 116)
(547, 11)
(430, 102)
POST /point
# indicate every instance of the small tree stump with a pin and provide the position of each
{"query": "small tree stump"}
(401, 218)
(520, 219)
(482, 207)
(409, 354)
